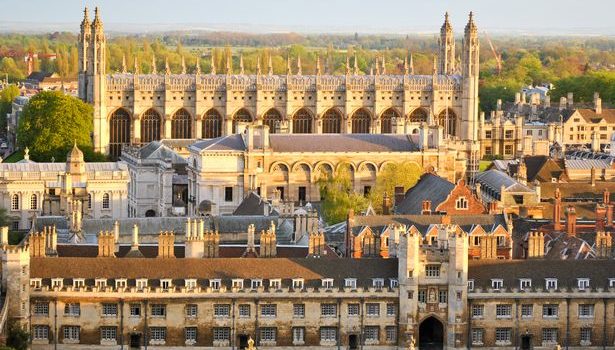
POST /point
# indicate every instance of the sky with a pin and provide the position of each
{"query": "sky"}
(372, 16)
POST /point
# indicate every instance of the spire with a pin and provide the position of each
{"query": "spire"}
(154, 70)
(447, 24)
(406, 71)
(347, 65)
(411, 64)
(167, 69)
(384, 65)
(198, 65)
(471, 26)
(241, 70)
(97, 23)
(318, 71)
(258, 65)
(289, 70)
(435, 65)
(183, 65)
(213, 65)
(270, 65)
(85, 23)
(356, 65)
(377, 66)
(298, 65)
(371, 70)
(136, 65)
(124, 63)
(229, 69)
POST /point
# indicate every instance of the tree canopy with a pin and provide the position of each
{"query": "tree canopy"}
(51, 122)
(393, 175)
(7, 95)
(339, 196)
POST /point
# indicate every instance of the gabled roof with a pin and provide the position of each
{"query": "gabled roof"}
(253, 204)
(157, 150)
(495, 179)
(224, 143)
(342, 143)
(429, 187)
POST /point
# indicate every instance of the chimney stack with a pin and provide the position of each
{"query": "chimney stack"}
(536, 245)
(386, 204)
(597, 103)
(166, 244)
(135, 237)
(570, 99)
(493, 207)
(212, 244)
(399, 195)
(557, 210)
(316, 244)
(426, 210)
(562, 103)
(106, 244)
(604, 245)
(571, 221)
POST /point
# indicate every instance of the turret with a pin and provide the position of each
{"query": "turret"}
(446, 63)
(470, 70)
(84, 44)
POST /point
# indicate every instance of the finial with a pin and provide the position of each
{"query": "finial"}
(270, 68)
(318, 72)
(377, 65)
(411, 64)
(198, 65)
(298, 65)
(136, 65)
(356, 65)
(406, 65)
(167, 69)
(289, 70)
(258, 65)
(384, 65)
(183, 65)
(96, 16)
(26, 153)
(241, 70)
(154, 70)
(435, 65)
(347, 65)
(124, 63)
(213, 65)
(229, 69)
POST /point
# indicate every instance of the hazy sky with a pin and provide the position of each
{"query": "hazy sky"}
(589, 16)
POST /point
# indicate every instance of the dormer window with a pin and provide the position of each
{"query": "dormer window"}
(190, 283)
(275, 284)
(525, 283)
(298, 283)
(256, 283)
(101, 283)
(215, 284)
(78, 283)
(141, 283)
(461, 203)
(350, 283)
(35, 283)
(551, 283)
(378, 283)
(394, 283)
(120, 283)
(166, 284)
(470, 285)
(327, 283)
(583, 283)
(237, 283)
(497, 283)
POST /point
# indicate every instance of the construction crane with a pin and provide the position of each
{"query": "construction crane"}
(496, 55)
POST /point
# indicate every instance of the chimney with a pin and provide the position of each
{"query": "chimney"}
(597, 104)
(166, 244)
(4, 235)
(106, 244)
(604, 245)
(399, 195)
(316, 244)
(592, 176)
(562, 103)
(386, 204)
(536, 245)
(477, 191)
(557, 210)
(570, 99)
(188, 228)
(38, 246)
(116, 234)
(268, 244)
(426, 207)
(517, 98)
(571, 221)
(493, 207)
(600, 212)
(212, 244)
(523, 98)
(606, 196)
(609, 215)
(135, 237)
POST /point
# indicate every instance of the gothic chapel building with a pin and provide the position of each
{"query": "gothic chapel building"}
(134, 108)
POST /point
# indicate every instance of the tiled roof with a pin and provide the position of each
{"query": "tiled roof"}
(588, 163)
(223, 143)
(342, 143)
(429, 187)
(495, 179)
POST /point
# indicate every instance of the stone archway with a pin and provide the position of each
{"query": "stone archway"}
(431, 334)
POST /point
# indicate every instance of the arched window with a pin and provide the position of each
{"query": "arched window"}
(181, 125)
(418, 116)
(212, 124)
(242, 116)
(119, 132)
(15, 202)
(448, 119)
(106, 203)
(33, 202)
(272, 118)
(89, 201)
(361, 122)
(386, 121)
(150, 126)
(331, 122)
(302, 122)
(461, 203)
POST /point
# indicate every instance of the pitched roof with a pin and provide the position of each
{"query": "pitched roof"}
(429, 187)
(158, 150)
(253, 204)
(342, 143)
(224, 143)
(495, 179)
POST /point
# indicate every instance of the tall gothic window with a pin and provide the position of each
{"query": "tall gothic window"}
(419, 115)
(331, 122)
(272, 118)
(33, 202)
(181, 125)
(361, 122)
(386, 121)
(448, 119)
(212, 124)
(150, 126)
(241, 116)
(302, 122)
(119, 132)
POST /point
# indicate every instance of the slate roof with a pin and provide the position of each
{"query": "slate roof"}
(429, 187)
(60, 167)
(223, 143)
(588, 163)
(495, 179)
(566, 272)
(253, 204)
(342, 143)
(157, 150)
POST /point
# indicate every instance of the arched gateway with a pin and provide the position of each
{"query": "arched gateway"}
(431, 334)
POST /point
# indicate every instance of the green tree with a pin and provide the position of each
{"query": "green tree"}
(17, 338)
(339, 196)
(393, 175)
(7, 95)
(51, 122)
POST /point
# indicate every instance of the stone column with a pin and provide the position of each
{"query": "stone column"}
(228, 125)
(198, 126)
(167, 127)
(136, 127)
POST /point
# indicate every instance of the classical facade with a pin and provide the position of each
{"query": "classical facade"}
(134, 108)
(94, 190)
